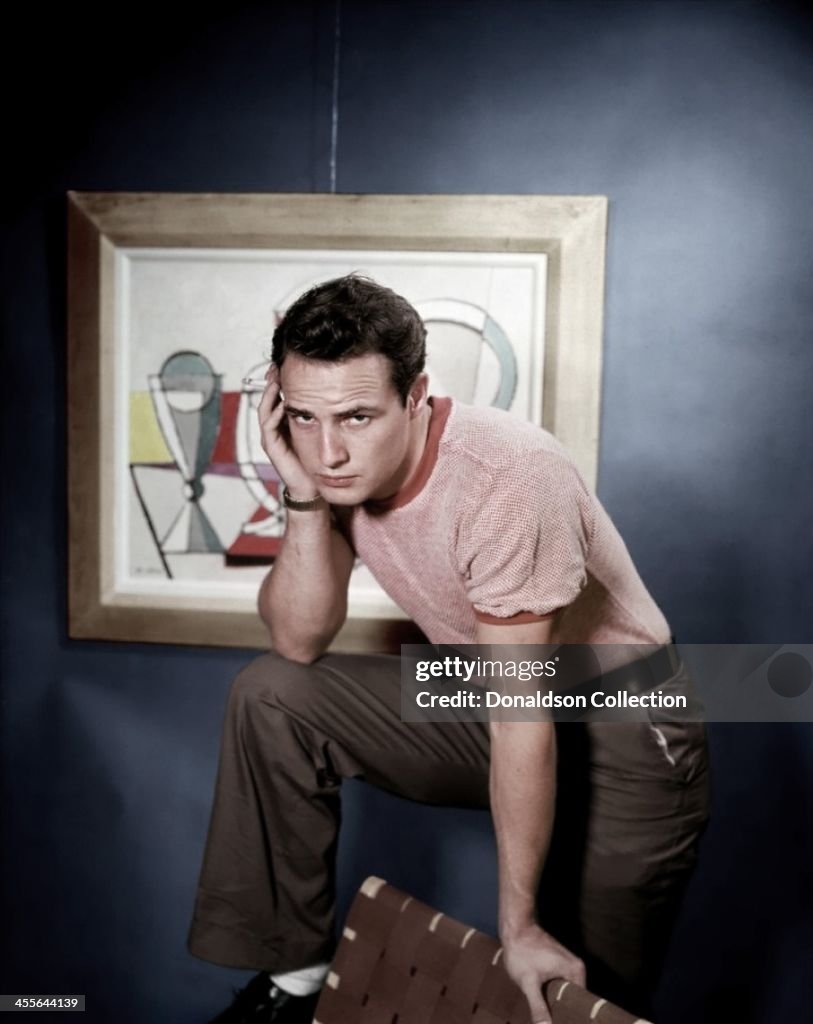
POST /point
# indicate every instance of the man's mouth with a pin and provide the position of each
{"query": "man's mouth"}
(336, 481)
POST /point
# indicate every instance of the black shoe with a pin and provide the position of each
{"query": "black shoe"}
(261, 1003)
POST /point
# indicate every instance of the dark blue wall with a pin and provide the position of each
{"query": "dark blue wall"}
(695, 119)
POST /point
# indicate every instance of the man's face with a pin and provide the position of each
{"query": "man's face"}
(347, 425)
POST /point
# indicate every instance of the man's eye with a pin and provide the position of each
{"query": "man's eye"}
(358, 417)
(300, 417)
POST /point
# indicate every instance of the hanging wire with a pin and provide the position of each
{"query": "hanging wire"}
(334, 118)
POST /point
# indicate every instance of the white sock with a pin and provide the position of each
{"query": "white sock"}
(303, 982)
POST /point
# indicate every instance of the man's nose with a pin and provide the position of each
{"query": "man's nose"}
(331, 449)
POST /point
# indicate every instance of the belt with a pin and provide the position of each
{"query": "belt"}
(644, 674)
(637, 677)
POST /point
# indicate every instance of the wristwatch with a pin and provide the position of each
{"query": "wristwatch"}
(301, 506)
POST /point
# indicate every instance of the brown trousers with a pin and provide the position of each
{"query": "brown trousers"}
(629, 814)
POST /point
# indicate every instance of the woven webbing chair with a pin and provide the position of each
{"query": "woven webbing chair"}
(402, 962)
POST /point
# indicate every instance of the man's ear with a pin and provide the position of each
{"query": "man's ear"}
(418, 394)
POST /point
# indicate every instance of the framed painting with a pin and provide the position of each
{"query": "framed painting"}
(174, 510)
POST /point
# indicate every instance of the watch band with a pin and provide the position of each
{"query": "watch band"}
(301, 506)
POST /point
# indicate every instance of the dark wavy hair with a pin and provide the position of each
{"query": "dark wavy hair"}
(354, 316)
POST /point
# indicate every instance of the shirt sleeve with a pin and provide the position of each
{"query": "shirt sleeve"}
(522, 545)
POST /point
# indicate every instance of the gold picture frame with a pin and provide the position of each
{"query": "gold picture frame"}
(110, 232)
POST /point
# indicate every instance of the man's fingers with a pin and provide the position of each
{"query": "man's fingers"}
(267, 410)
(575, 972)
(276, 416)
(267, 398)
(540, 1014)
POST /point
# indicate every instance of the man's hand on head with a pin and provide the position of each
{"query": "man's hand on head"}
(276, 441)
(532, 957)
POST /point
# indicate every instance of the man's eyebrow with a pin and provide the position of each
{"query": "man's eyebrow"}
(358, 409)
(297, 412)
(355, 410)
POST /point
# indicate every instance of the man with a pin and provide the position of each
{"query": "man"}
(482, 530)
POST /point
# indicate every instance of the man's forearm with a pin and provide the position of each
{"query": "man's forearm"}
(303, 599)
(523, 802)
(523, 788)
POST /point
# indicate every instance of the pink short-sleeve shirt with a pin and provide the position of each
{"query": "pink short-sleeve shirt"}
(497, 524)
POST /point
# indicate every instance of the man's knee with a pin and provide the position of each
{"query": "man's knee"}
(272, 680)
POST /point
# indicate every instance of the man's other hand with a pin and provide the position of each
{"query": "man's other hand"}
(532, 957)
